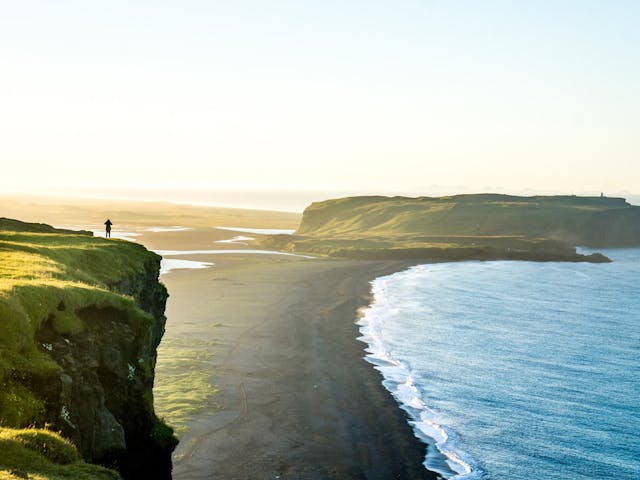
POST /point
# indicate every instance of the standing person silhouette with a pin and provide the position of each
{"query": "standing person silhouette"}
(108, 224)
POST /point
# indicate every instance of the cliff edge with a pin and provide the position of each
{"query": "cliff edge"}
(80, 321)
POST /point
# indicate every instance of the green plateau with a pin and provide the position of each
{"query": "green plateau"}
(461, 227)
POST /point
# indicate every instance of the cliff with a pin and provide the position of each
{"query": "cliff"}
(80, 321)
(482, 226)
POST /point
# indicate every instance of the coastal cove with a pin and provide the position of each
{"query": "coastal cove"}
(243, 313)
(261, 370)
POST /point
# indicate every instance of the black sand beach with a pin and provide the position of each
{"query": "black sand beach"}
(295, 398)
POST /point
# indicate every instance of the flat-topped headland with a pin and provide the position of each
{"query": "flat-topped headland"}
(464, 227)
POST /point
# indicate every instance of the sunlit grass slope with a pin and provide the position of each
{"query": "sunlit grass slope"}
(49, 277)
(497, 223)
(41, 454)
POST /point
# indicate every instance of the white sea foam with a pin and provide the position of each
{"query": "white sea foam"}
(259, 231)
(240, 239)
(176, 228)
(447, 459)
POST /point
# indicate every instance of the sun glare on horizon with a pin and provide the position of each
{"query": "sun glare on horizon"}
(350, 96)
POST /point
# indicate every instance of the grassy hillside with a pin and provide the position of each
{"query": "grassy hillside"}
(40, 454)
(465, 226)
(48, 276)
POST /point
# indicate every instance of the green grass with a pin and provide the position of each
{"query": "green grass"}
(182, 387)
(42, 454)
(67, 257)
(50, 276)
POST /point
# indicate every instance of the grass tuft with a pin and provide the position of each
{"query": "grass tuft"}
(163, 435)
(42, 454)
(50, 445)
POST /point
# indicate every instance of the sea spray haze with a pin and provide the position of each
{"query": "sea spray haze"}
(516, 368)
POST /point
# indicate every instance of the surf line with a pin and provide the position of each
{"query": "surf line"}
(398, 379)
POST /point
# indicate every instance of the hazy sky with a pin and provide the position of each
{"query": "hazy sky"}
(371, 95)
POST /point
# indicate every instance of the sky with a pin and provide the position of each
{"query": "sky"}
(374, 96)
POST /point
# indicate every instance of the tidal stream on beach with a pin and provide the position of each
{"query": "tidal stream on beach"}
(515, 370)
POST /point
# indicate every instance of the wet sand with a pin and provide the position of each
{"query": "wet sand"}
(295, 399)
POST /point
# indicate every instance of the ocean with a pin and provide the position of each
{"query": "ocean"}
(515, 370)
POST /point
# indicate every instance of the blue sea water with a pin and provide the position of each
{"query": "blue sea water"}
(515, 370)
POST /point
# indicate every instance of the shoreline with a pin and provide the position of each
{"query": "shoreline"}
(398, 380)
(296, 397)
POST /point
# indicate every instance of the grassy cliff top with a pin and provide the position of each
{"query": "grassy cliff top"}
(39, 254)
(59, 272)
(47, 275)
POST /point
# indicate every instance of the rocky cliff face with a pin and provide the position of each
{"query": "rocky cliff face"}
(102, 398)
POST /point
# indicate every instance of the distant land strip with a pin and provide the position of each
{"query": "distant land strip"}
(465, 227)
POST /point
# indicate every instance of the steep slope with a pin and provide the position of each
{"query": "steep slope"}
(80, 320)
